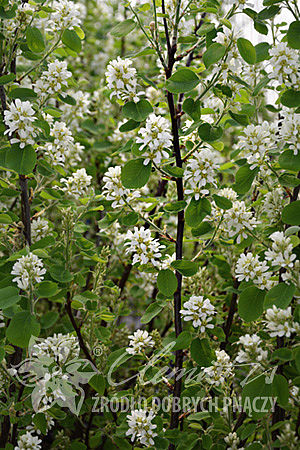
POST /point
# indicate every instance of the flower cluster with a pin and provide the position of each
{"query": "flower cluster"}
(257, 141)
(53, 80)
(19, 118)
(39, 228)
(114, 190)
(273, 204)
(251, 349)
(141, 426)
(29, 270)
(121, 79)
(155, 138)
(200, 172)
(60, 347)
(66, 15)
(289, 131)
(143, 246)
(237, 220)
(250, 268)
(232, 440)
(221, 369)
(279, 322)
(280, 253)
(22, 18)
(28, 441)
(200, 311)
(77, 185)
(139, 341)
(284, 66)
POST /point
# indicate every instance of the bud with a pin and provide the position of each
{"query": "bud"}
(152, 26)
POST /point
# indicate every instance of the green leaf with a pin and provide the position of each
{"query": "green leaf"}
(5, 218)
(280, 389)
(268, 13)
(137, 111)
(22, 327)
(290, 98)
(192, 108)
(203, 228)
(49, 319)
(69, 100)
(244, 179)
(260, 27)
(209, 133)
(20, 160)
(254, 394)
(213, 54)
(129, 125)
(183, 341)
(262, 84)
(9, 296)
(40, 422)
(35, 40)
(175, 206)
(262, 51)
(291, 213)
(47, 289)
(71, 39)
(186, 267)
(280, 295)
(184, 80)
(222, 202)
(130, 219)
(242, 119)
(135, 174)
(251, 301)
(123, 28)
(247, 50)
(287, 160)
(283, 354)
(59, 273)
(201, 352)
(293, 34)
(197, 211)
(97, 382)
(22, 94)
(152, 311)
(167, 282)
(7, 78)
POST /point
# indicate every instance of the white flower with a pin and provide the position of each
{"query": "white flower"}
(18, 119)
(252, 351)
(288, 438)
(138, 3)
(284, 65)
(233, 441)
(257, 141)
(67, 15)
(72, 112)
(49, 424)
(2, 320)
(114, 190)
(141, 426)
(237, 220)
(200, 311)
(62, 135)
(221, 369)
(139, 342)
(121, 79)
(281, 252)
(53, 80)
(200, 172)
(279, 322)
(22, 18)
(60, 347)
(156, 138)
(29, 270)
(273, 204)
(289, 131)
(250, 268)
(228, 193)
(144, 247)
(28, 441)
(77, 185)
(39, 228)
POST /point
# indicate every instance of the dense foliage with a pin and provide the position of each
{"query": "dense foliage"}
(150, 223)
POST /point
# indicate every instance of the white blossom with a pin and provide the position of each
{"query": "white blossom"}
(139, 341)
(251, 352)
(257, 140)
(29, 270)
(141, 426)
(22, 18)
(200, 173)
(144, 247)
(288, 438)
(114, 190)
(284, 65)
(19, 118)
(28, 441)
(39, 228)
(279, 322)
(221, 369)
(273, 204)
(78, 184)
(122, 80)
(289, 131)
(250, 268)
(60, 347)
(237, 220)
(280, 253)
(2, 320)
(232, 440)
(200, 311)
(155, 138)
(53, 80)
(67, 15)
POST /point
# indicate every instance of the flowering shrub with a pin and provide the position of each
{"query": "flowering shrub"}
(150, 224)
